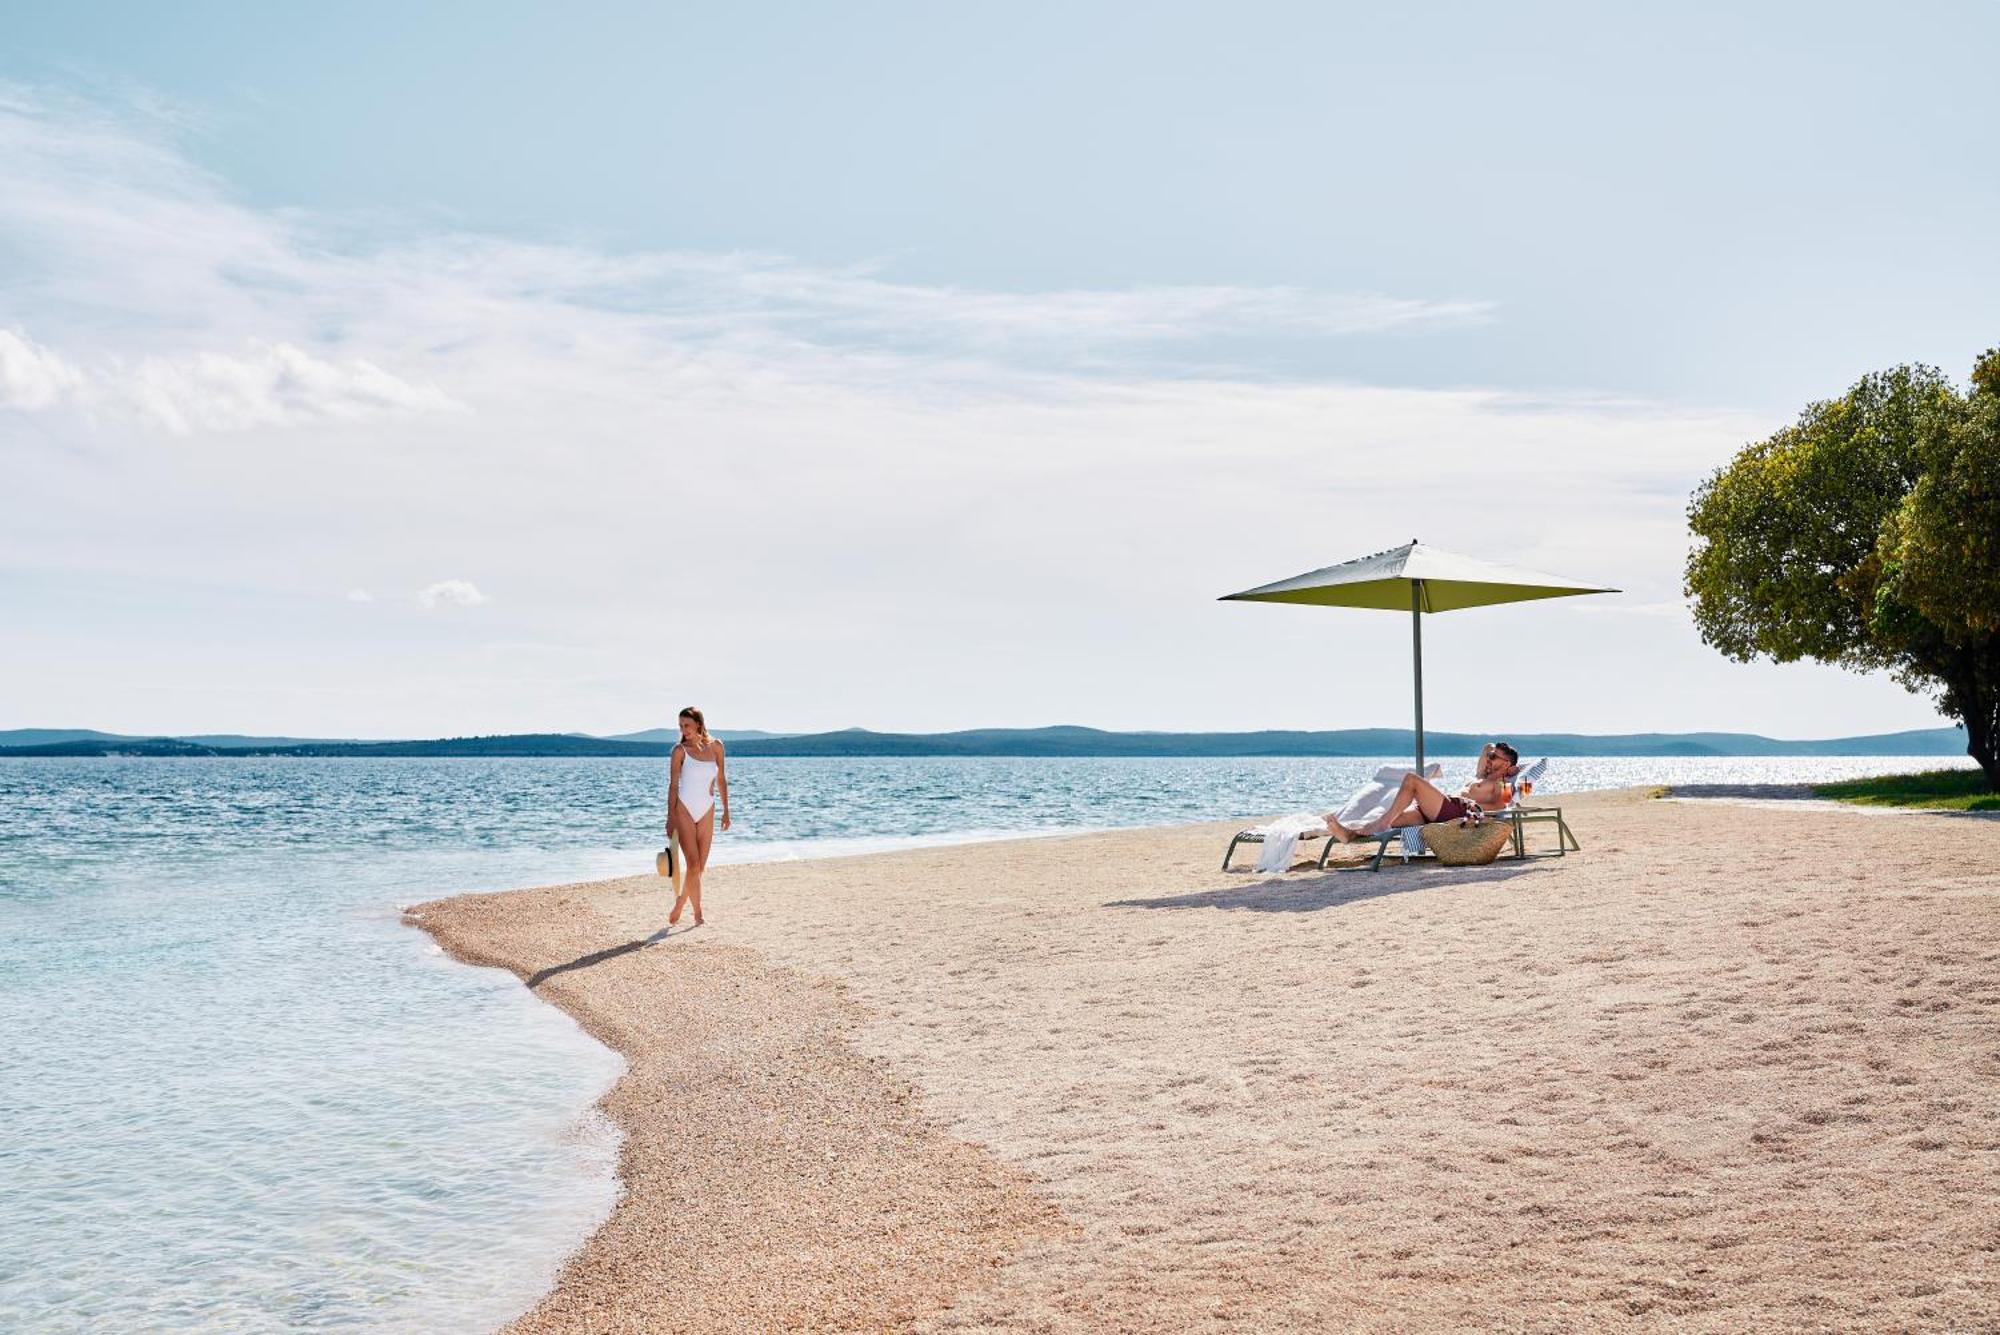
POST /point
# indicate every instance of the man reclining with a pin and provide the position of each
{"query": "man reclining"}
(1419, 801)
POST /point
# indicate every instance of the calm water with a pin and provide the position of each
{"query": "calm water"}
(237, 1094)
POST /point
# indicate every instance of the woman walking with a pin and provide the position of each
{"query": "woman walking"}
(694, 780)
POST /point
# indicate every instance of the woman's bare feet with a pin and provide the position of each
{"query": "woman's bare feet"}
(1340, 832)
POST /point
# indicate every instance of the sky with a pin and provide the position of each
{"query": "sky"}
(386, 370)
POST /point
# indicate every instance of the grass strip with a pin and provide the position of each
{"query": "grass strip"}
(1943, 789)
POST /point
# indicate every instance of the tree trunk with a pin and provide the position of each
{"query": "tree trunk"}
(1975, 697)
(1982, 743)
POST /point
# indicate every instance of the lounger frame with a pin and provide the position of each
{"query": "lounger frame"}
(1382, 842)
(1518, 817)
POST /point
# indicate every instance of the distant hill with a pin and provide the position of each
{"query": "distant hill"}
(56, 736)
(671, 735)
(518, 744)
(1076, 741)
(230, 739)
(1057, 741)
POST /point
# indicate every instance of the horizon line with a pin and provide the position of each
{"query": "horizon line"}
(1500, 734)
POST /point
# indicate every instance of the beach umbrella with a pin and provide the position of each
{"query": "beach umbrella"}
(1419, 579)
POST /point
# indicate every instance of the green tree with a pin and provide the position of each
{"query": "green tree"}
(1867, 534)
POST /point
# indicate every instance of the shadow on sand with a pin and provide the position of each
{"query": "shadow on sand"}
(599, 956)
(1759, 792)
(1330, 889)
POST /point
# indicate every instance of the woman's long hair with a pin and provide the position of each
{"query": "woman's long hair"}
(699, 722)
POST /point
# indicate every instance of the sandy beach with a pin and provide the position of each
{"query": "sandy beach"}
(1728, 1068)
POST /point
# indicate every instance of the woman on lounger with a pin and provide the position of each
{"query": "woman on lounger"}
(1419, 801)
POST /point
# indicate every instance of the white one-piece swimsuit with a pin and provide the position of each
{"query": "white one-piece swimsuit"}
(697, 785)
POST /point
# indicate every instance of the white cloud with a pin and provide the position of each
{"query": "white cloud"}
(1673, 608)
(360, 596)
(272, 384)
(451, 593)
(817, 497)
(153, 260)
(31, 377)
(856, 303)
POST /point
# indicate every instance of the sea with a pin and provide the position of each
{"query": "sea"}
(238, 1093)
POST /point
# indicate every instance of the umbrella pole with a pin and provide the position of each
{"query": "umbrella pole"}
(1417, 660)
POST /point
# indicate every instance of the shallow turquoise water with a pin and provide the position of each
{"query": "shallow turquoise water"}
(239, 1095)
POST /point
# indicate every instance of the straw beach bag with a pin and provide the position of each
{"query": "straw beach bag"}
(1466, 845)
(667, 862)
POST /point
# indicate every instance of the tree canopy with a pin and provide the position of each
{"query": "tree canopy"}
(1867, 534)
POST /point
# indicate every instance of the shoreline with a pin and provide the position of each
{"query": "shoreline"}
(769, 1175)
(1727, 1067)
(1795, 797)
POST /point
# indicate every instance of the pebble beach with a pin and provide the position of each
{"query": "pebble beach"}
(1727, 1068)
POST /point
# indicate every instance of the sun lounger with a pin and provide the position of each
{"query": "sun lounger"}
(1412, 837)
(1256, 836)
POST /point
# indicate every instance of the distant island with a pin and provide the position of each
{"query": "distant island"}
(1056, 741)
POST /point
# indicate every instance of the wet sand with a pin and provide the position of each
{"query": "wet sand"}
(1728, 1068)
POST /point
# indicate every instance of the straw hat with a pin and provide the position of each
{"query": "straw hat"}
(1466, 845)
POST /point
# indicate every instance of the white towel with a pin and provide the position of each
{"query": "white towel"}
(1281, 839)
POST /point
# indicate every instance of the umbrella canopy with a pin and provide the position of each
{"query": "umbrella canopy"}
(1417, 579)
